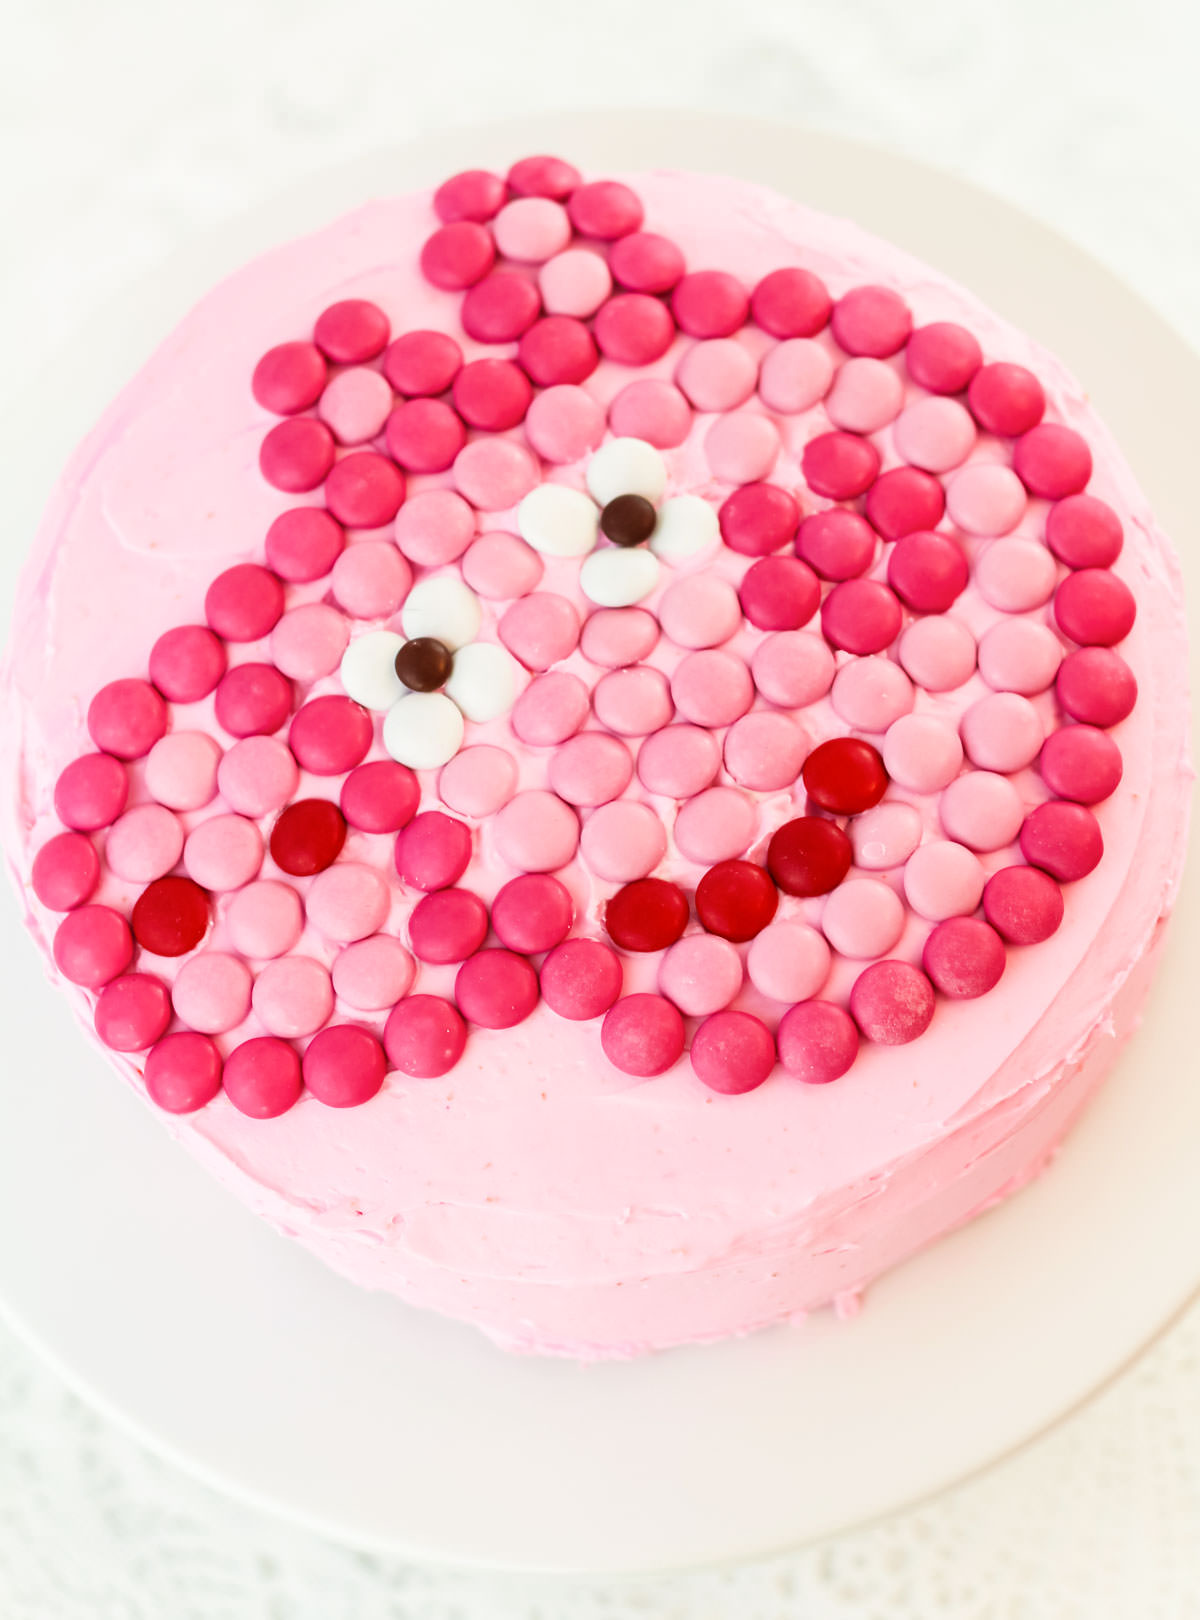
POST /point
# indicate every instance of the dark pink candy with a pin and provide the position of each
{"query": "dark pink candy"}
(92, 945)
(1084, 532)
(492, 395)
(496, 989)
(126, 718)
(186, 663)
(422, 363)
(289, 378)
(543, 176)
(1096, 685)
(1094, 607)
(1023, 904)
(710, 304)
(532, 913)
(1063, 839)
(645, 263)
(475, 194)
(779, 593)
(296, 455)
(380, 797)
(447, 926)
(500, 307)
(433, 851)
(558, 349)
(581, 978)
(91, 792)
(1081, 763)
(903, 500)
(424, 435)
(65, 871)
(252, 700)
(344, 1066)
(133, 1012)
(892, 1003)
(352, 331)
(301, 545)
(183, 1072)
(861, 616)
(330, 735)
(424, 1036)
(1052, 460)
(818, 1041)
(642, 1035)
(839, 465)
(733, 1052)
(606, 209)
(928, 571)
(758, 519)
(838, 543)
(244, 603)
(458, 255)
(871, 320)
(364, 490)
(262, 1077)
(633, 329)
(964, 957)
(791, 303)
(943, 357)
(1006, 399)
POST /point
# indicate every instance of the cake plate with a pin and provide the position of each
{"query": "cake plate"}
(237, 1355)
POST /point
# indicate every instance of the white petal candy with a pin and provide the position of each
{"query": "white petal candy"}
(368, 670)
(687, 525)
(444, 608)
(424, 730)
(627, 467)
(618, 576)
(557, 521)
(484, 680)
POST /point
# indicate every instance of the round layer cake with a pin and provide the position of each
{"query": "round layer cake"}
(610, 753)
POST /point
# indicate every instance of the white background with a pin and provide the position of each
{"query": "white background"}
(125, 129)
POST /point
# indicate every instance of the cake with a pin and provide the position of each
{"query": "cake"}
(608, 754)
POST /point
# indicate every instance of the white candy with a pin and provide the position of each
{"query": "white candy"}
(618, 576)
(423, 730)
(687, 525)
(484, 681)
(368, 669)
(558, 521)
(444, 608)
(627, 467)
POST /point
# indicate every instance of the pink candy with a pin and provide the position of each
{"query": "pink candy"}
(564, 423)
(922, 752)
(262, 1078)
(66, 871)
(344, 1066)
(885, 837)
(943, 357)
(765, 750)
(458, 255)
(257, 776)
(982, 810)
(422, 363)
(928, 571)
(817, 1042)
(700, 974)
(742, 447)
(289, 378)
(1093, 607)
(791, 303)
(292, 996)
(700, 610)
(717, 375)
(793, 668)
(631, 702)
(536, 832)
(678, 761)
(550, 709)
(351, 331)
(492, 395)
(531, 229)
(436, 526)
(501, 566)
(543, 177)
(1015, 575)
(646, 263)
(296, 455)
(348, 901)
(794, 376)
(90, 792)
(1081, 763)
(606, 209)
(616, 637)
(558, 350)
(985, 498)
(1084, 532)
(623, 841)
(92, 945)
(1097, 686)
(652, 410)
(494, 474)
(758, 519)
(371, 579)
(633, 329)
(308, 642)
(301, 545)
(938, 653)
(642, 1035)
(870, 694)
(716, 825)
(861, 616)
(935, 434)
(1002, 732)
(496, 989)
(1006, 399)
(866, 395)
(709, 304)
(839, 465)
(425, 435)
(733, 1052)
(432, 851)
(500, 308)
(903, 500)
(355, 405)
(364, 490)
(892, 1003)
(1023, 904)
(223, 853)
(712, 688)
(1052, 460)
(574, 283)
(181, 769)
(581, 979)
(126, 718)
(186, 663)
(264, 919)
(779, 593)
(132, 1012)
(211, 992)
(424, 1037)
(838, 543)
(1019, 655)
(964, 958)
(590, 769)
(447, 926)
(252, 700)
(373, 973)
(475, 194)
(532, 913)
(863, 917)
(183, 1072)
(871, 320)
(788, 961)
(541, 629)
(478, 781)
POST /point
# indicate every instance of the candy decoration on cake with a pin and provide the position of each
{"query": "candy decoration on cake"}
(734, 668)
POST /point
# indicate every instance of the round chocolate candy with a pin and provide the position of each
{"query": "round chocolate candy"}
(628, 520)
(424, 664)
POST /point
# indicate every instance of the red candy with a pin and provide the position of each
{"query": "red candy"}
(447, 926)
(475, 194)
(500, 307)
(289, 378)
(1023, 904)
(904, 500)
(458, 255)
(183, 1072)
(496, 989)
(633, 329)
(817, 1042)
(809, 856)
(380, 797)
(422, 363)
(646, 915)
(1094, 607)
(758, 519)
(244, 603)
(1081, 763)
(344, 1066)
(492, 395)
(1052, 460)
(1006, 399)
(606, 209)
(351, 331)
(330, 735)
(307, 837)
(871, 320)
(1084, 532)
(779, 593)
(65, 871)
(424, 435)
(642, 1035)
(845, 776)
(92, 945)
(532, 913)
(942, 357)
(133, 1012)
(791, 303)
(1096, 685)
(710, 304)
(433, 851)
(645, 263)
(556, 350)
(964, 958)
(839, 465)
(262, 1077)
(736, 900)
(928, 571)
(424, 1036)
(581, 978)
(838, 543)
(170, 916)
(732, 1052)
(861, 616)
(543, 177)
(1063, 839)
(364, 490)
(126, 718)
(892, 1003)
(186, 663)
(91, 792)
(296, 455)
(301, 545)
(252, 700)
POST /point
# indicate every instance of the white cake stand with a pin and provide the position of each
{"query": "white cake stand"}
(236, 1354)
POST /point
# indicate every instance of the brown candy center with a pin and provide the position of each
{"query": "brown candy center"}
(424, 664)
(628, 520)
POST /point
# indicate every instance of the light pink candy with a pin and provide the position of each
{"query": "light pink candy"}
(985, 498)
(574, 283)
(866, 395)
(793, 668)
(678, 761)
(370, 579)
(717, 825)
(700, 610)
(632, 702)
(938, 653)
(355, 405)
(536, 831)
(712, 688)
(1015, 575)
(922, 752)
(1002, 732)
(1019, 655)
(308, 642)
(293, 996)
(143, 844)
(564, 422)
(432, 527)
(264, 919)
(871, 693)
(373, 973)
(700, 974)
(742, 447)
(222, 853)
(531, 229)
(540, 629)
(943, 879)
(181, 769)
(886, 836)
(479, 780)
(717, 375)
(211, 992)
(502, 567)
(935, 434)
(617, 637)
(623, 841)
(347, 901)
(258, 775)
(795, 375)
(862, 918)
(788, 961)
(652, 410)
(494, 474)
(591, 768)
(550, 709)
(982, 810)
(765, 750)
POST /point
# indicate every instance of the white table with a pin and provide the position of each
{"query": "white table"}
(121, 134)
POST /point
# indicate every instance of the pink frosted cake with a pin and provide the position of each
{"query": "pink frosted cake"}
(610, 755)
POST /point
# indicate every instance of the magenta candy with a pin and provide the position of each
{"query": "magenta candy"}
(475, 194)
(964, 958)
(422, 363)
(447, 926)
(126, 718)
(186, 663)
(1006, 399)
(501, 566)
(928, 571)
(540, 629)
(433, 851)
(262, 1077)
(904, 500)
(837, 543)
(496, 989)
(351, 331)
(642, 1035)
(1094, 607)
(791, 303)
(244, 603)
(679, 761)
(581, 978)
(564, 423)
(710, 304)
(330, 735)
(424, 1037)
(364, 490)
(252, 700)
(779, 593)
(1063, 839)
(92, 945)
(1084, 532)
(91, 792)
(289, 378)
(758, 519)
(633, 702)
(942, 357)
(500, 307)
(132, 1012)
(557, 350)
(605, 209)
(861, 616)
(643, 262)
(183, 1072)
(839, 465)
(872, 321)
(550, 709)
(653, 410)
(458, 255)
(1052, 460)
(344, 1066)
(633, 329)
(301, 545)
(817, 1041)
(380, 797)
(492, 395)
(543, 176)
(616, 637)
(424, 435)
(892, 1003)
(1096, 685)
(1023, 904)
(296, 455)
(532, 913)
(65, 872)
(590, 769)
(732, 1052)
(1081, 763)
